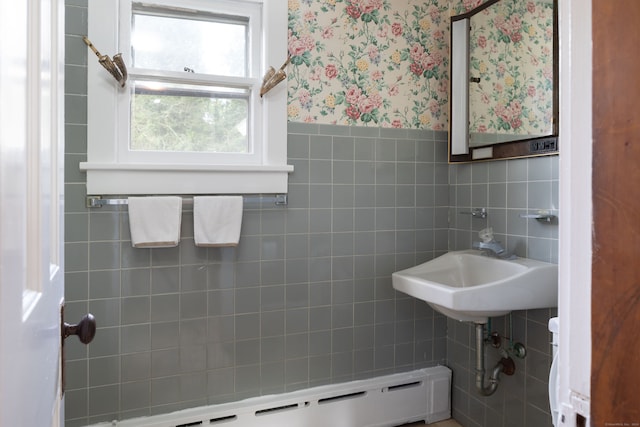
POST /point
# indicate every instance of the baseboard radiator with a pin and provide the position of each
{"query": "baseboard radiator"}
(390, 400)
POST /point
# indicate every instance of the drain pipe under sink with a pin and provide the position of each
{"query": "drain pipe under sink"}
(505, 364)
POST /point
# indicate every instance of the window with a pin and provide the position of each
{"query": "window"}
(190, 119)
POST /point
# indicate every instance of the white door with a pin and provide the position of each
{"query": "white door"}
(31, 207)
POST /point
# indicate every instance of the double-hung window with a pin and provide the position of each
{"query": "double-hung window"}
(190, 118)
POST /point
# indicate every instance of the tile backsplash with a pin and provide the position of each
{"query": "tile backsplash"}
(507, 189)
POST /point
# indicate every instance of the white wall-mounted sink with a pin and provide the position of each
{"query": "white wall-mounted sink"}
(470, 286)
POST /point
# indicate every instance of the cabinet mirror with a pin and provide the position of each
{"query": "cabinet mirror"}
(504, 81)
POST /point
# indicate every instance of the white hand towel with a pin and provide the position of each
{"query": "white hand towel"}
(217, 220)
(155, 221)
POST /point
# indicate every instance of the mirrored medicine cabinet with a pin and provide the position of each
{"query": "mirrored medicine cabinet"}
(504, 81)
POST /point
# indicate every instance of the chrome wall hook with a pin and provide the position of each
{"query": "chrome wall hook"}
(115, 66)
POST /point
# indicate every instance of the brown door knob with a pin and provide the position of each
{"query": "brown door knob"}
(85, 329)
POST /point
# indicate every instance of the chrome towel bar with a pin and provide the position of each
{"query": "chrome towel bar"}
(277, 199)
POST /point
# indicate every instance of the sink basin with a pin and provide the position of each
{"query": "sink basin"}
(471, 287)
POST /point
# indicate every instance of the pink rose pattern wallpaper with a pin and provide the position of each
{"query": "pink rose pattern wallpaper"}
(377, 63)
(382, 63)
(511, 46)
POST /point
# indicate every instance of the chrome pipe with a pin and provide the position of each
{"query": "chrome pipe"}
(494, 378)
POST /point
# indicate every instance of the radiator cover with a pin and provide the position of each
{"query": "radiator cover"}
(389, 400)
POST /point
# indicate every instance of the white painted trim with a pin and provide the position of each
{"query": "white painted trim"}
(121, 181)
(111, 171)
(89, 166)
(460, 87)
(274, 103)
(575, 241)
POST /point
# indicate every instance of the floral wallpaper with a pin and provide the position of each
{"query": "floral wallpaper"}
(511, 46)
(377, 63)
(385, 63)
(462, 6)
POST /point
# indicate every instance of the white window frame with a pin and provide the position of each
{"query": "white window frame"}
(112, 169)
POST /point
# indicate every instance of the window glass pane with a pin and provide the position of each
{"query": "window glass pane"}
(208, 45)
(189, 118)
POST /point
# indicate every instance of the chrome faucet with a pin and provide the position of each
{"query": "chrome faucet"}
(492, 248)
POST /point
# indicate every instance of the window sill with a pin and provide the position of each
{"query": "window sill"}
(134, 178)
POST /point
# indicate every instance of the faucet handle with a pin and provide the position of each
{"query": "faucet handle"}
(493, 247)
(476, 213)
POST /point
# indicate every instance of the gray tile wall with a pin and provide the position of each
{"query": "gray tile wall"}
(507, 189)
(305, 299)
